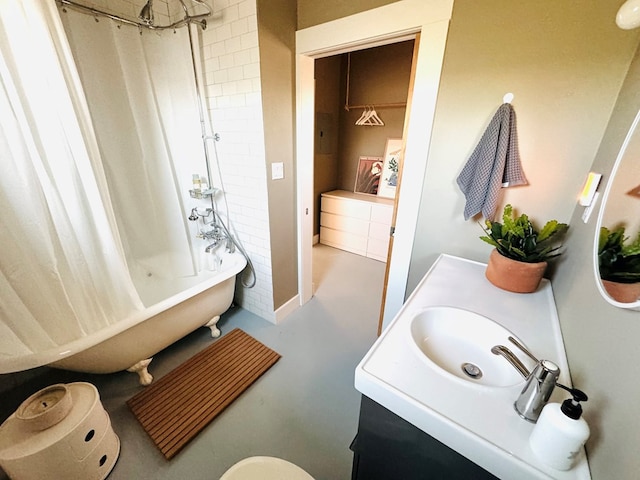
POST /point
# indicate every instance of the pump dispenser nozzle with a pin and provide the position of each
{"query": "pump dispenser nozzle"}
(571, 407)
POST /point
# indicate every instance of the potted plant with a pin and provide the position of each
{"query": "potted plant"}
(619, 264)
(521, 252)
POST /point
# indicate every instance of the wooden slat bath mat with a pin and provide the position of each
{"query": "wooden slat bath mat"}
(174, 409)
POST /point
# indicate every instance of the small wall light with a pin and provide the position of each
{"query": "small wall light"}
(589, 195)
(590, 188)
(628, 16)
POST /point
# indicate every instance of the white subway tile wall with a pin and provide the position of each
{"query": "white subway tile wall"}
(234, 99)
(233, 94)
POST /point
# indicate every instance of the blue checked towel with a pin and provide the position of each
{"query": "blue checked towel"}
(494, 163)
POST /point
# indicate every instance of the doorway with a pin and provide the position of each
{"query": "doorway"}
(384, 25)
(360, 110)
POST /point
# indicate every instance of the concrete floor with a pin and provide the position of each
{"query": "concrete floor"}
(304, 409)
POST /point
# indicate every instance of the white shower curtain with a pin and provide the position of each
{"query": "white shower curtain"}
(140, 90)
(63, 275)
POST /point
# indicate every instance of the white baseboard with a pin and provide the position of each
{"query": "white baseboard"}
(287, 308)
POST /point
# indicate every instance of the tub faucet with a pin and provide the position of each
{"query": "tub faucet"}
(538, 386)
(211, 246)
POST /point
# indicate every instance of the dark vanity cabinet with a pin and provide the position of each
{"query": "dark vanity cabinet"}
(388, 447)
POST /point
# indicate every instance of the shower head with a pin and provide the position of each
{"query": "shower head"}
(146, 14)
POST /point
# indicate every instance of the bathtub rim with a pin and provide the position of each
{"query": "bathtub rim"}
(26, 362)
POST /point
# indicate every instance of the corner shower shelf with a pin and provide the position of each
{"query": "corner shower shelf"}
(202, 193)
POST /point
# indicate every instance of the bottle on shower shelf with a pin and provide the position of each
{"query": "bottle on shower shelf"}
(197, 183)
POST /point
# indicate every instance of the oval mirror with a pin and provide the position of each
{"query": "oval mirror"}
(616, 262)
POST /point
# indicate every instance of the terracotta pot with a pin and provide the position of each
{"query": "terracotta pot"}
(622, 292)
(512, 275)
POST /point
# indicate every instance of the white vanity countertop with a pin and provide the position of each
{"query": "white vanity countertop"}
(477, 421)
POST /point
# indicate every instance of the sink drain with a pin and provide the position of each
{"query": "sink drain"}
(471, 370)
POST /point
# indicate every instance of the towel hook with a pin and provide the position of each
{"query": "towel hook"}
(508, 97)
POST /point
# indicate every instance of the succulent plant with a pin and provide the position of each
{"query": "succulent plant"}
(518, 239)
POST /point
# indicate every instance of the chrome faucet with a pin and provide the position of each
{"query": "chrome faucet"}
(511, 358)
(537, 390)
(211, 246)
(539, 382)
(217, 233)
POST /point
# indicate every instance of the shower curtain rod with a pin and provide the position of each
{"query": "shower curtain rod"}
(201, 18)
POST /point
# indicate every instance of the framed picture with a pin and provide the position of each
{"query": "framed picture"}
(368, 175)
(389, 176)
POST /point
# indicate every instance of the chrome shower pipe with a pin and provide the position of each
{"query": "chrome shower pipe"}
(199, 19)
(215, 137)
(203, 127)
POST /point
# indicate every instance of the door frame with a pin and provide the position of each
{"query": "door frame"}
(380, 26)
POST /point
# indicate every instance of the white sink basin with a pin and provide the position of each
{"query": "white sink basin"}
(453, 316)
(458, 343)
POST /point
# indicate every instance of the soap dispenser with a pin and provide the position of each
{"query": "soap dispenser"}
(560, 431)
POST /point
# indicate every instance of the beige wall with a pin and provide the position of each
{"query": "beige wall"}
(315, 12)
(276, 37)
(327, 131)
(565, 62)
(601, 340)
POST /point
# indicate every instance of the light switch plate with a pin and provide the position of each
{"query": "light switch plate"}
(277, 171)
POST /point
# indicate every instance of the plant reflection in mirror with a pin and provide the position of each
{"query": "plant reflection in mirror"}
(618, 258)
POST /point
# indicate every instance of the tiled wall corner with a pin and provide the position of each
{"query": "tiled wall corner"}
(233, 94)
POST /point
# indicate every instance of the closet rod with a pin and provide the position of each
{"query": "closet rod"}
(377, 105)
(347, 107)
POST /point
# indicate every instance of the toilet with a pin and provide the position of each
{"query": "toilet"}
(265, 468)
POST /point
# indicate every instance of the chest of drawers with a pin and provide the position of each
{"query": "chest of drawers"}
(356, 223)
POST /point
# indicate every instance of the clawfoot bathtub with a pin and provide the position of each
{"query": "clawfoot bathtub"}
(167, 321)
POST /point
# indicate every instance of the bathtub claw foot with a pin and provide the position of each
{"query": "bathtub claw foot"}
(215, 331)
(140, 368)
